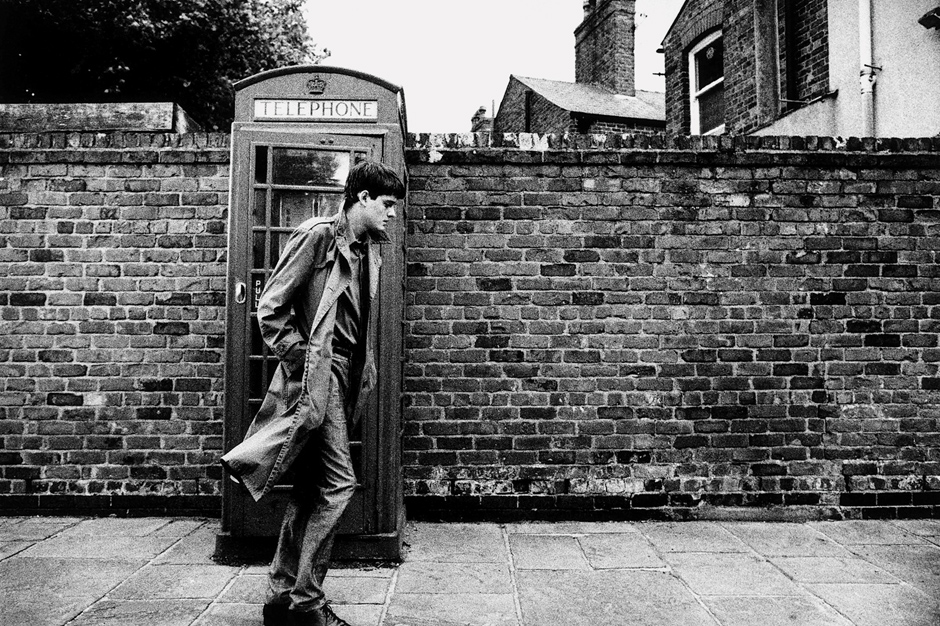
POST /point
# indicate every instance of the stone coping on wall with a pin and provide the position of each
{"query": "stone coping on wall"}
(517, 141)
(666, 141)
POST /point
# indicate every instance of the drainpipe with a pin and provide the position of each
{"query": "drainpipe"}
(866, 74)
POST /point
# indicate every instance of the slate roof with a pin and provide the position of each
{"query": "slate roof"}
(597, 100)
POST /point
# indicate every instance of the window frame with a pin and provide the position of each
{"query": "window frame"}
(695, 94)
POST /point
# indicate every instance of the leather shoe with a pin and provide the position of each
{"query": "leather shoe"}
(276, 614)
(306, 618)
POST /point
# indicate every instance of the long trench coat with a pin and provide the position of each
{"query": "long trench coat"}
(299, 304)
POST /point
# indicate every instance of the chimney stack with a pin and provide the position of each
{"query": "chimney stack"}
(480, 123)
(604, 45)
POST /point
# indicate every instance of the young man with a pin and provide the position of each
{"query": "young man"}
(314, 314)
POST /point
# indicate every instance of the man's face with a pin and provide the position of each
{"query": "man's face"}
(378, 211)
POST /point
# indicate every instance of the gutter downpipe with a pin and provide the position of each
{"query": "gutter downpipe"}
(866, 74)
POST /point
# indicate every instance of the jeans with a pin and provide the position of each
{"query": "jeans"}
(324, 486)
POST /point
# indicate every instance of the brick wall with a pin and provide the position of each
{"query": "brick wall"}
(636, 326)
(112, 287)
(647, 332)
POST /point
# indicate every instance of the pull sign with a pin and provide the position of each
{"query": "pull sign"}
(316, 110)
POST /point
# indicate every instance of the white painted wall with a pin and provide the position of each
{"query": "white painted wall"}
(907, 92)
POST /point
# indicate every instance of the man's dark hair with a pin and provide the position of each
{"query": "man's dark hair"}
(376, 178)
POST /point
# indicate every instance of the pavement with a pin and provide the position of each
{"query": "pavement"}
(159, 572)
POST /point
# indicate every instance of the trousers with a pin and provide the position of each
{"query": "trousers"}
(324, 485)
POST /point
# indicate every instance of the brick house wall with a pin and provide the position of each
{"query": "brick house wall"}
(809, 69)
(685, 33)
(545, 117)
(735, 19)
(112, 287)
(614, 126)
(639, 326)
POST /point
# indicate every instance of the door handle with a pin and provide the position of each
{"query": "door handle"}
(241, 292)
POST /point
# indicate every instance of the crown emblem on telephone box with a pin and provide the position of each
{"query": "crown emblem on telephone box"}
(316, 85)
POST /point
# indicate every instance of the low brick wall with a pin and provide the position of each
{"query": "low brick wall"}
(652, 327)
(112, 286)
(631, 326)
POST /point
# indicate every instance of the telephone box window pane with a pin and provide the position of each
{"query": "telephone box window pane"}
(261, 164)
(710, 63)
(257, 250)
(278, 242)
(293, 208)
(256, 386)
(257, 342)
(711, 108)
(328, 204)
(298, 166)
(258, 207)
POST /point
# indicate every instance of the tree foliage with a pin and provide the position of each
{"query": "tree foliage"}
(187, 51)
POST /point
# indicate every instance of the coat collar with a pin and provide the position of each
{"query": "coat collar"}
(344, 234)
(343, 237)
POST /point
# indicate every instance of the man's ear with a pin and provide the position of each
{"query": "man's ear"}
(363, 196)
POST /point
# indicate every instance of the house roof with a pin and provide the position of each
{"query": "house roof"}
(597, 100)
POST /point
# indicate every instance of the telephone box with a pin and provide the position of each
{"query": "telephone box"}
(297, 131)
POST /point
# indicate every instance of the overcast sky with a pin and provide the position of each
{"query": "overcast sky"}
(453, 56)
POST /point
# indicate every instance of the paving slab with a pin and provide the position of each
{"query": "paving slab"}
(230, 615)
(107, 548)
(141, 613)
(554, 552)
(917, 565)
(452, 609)
(831, 569)
(183, 527)
(341, 568)
(36, 528)
(692, 537)
(245, 589)
(790, 611)
(359, 614)
(614, 551)
(859, 532)
(731, 575)
(881, 605)
(570, 528)
(21, 609)
(920, 527)
(425, 577)
(116, 527)
(778, 539)
(595, 598)
(62, 577)
(9, 548)
(458, 543)
(355, 590)
(175, 581)
(196, 547)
